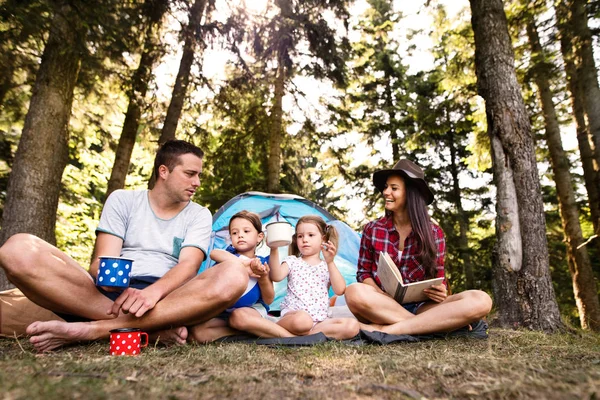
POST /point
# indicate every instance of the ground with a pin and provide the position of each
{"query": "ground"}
(510, 364)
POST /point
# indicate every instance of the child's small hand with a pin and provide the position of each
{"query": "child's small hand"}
(245, 261)
(329, 251)
(258, 269)
(266, 269)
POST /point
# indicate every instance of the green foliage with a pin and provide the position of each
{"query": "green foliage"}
(373, 111)
(447, 120)
(112, 32)
(549, 63)
(235, 142)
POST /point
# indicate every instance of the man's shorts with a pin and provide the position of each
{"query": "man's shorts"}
(141, 282)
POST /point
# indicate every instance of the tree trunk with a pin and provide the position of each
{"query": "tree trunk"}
(391, 125)
(584, 285)
(523, 288)
(587, 72)
(463, 218)
(591, 173)
(42, 155)
(6, 82)
(183, 76)
(137, 94)
(276, 134)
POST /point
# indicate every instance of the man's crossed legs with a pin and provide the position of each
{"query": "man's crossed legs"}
(53, 280)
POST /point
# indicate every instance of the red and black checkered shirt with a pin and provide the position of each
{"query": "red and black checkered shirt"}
(381, 235)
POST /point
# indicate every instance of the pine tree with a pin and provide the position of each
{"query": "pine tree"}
(522, 286)
(155, 10)
(584, 285)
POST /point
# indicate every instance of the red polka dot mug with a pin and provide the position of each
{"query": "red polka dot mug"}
(127, 341)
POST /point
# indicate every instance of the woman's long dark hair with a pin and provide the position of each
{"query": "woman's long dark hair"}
(421, 226)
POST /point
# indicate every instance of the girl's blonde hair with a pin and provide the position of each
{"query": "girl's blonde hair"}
(328, 231)
(249, 216)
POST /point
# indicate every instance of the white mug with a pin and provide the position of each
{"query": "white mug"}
(279, 234)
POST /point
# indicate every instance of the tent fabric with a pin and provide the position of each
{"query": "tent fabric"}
(284, 207)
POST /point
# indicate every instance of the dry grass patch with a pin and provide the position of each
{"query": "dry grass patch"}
(510, 364)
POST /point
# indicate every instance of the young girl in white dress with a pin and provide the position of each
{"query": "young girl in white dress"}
(304, 308)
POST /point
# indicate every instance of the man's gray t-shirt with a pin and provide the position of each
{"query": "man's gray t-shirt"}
(153, 243)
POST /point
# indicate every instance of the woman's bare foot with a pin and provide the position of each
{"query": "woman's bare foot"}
(170, 336)
(48, 335)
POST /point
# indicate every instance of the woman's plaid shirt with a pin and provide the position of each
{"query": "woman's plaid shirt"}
(381, 235)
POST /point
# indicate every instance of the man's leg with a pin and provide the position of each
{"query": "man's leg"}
(169, 336)
(197, 301)
(51, 279)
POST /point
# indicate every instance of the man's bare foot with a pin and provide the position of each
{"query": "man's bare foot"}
(170, 336)
(48, 335)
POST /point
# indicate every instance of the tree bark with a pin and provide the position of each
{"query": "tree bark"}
(587, 72)
(391, 109)
(584, 285)
(42, 155)
(523, 288)
(6, 82)
(276, 131)
(137, 94)
(591, 172)
(183, 76)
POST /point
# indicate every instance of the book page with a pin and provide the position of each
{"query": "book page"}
(385, 272)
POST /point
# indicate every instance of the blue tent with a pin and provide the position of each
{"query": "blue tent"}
(284, 207)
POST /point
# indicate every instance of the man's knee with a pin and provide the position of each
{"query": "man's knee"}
(18, 255)
(231, 282)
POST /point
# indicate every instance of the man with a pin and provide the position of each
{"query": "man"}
(165, 234)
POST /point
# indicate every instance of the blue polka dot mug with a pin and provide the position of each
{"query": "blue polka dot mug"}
(114, 272)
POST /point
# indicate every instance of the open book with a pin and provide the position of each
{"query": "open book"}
(393, 284)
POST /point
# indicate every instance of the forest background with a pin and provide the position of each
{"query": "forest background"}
(310, 98)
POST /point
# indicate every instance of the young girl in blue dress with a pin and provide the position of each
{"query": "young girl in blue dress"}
(245, 230)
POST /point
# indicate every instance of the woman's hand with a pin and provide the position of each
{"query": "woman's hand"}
(436, 293)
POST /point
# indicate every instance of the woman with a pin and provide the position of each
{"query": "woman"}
(417, 247)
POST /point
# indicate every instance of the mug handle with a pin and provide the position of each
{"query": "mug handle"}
(141, 335)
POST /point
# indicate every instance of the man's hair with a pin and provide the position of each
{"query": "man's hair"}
(169, 153)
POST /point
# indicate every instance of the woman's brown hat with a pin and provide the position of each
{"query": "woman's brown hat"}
(406, 169)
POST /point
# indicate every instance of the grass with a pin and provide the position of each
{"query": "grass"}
(510, 364)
